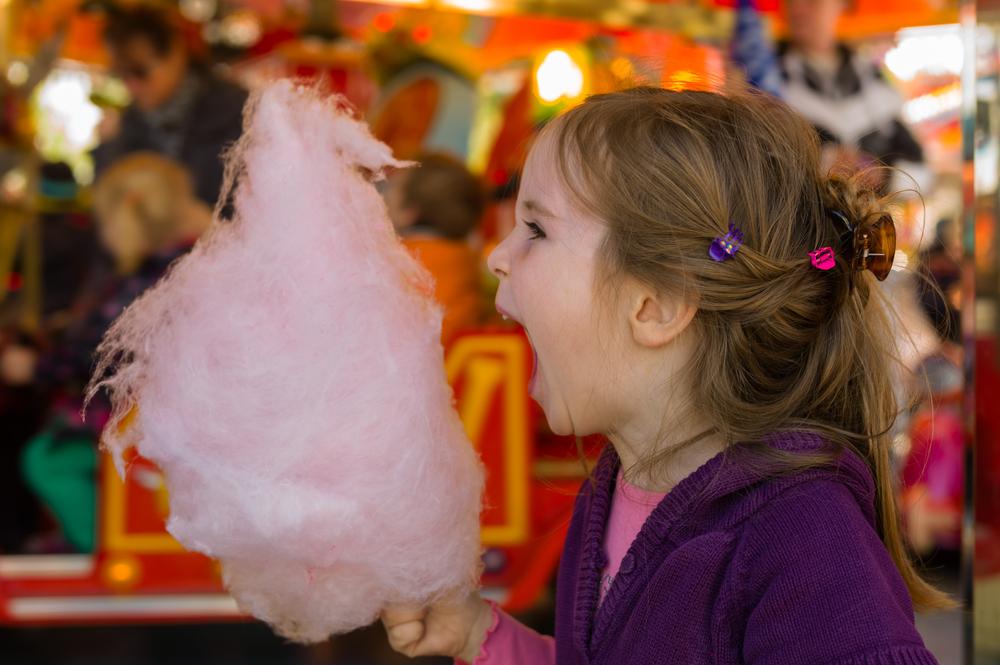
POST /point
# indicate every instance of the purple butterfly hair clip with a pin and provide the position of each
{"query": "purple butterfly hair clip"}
(724, 248)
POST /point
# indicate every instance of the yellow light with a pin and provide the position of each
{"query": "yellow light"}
(17, 73)
(621, 67)
(471, 5)
(13, 186)
(241, 29)
(682, 80)
(401, 3)
(558, 77)
(70, 116)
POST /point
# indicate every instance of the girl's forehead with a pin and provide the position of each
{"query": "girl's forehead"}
(542, 152)
(541, 182)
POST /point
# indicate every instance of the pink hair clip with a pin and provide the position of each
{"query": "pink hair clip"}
(823, 258)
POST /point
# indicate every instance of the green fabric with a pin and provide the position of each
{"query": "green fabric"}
(60, 465)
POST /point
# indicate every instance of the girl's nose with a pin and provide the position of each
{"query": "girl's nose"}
(499, 261)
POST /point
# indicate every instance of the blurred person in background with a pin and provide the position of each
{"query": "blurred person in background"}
(855, 110)
(147, 216)
(435, 207)
(69, 241)
(179, 109)
(932, 469)
(941, 291)
(22, 411)
(67, 245)
(932, 472)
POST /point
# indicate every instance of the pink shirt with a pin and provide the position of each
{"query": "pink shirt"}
(508, 641)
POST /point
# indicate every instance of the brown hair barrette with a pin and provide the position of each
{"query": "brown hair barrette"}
(865, 247)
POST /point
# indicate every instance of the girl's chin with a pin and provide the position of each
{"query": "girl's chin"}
(558, 426)
(536, 390)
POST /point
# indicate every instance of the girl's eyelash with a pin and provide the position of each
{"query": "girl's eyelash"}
(536, 230)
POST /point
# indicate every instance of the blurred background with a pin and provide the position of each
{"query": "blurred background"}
(112, 120)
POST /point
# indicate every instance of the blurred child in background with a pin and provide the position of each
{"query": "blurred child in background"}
(435, 207)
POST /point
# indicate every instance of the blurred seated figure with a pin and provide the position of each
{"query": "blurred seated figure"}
(435, 207)
(147, 215)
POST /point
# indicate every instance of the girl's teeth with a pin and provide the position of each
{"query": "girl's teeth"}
(505, 317)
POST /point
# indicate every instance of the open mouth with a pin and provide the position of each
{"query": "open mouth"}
(534, 354)
(534, 367)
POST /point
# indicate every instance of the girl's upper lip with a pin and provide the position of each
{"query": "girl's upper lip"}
(507, 315)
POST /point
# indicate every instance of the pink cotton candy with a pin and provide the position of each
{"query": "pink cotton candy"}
(289, 382)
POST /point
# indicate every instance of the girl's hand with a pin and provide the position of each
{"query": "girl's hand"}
(455, 629)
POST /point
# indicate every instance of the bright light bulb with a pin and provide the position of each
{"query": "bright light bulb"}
(17, 73)
(472, 5)
(241, 29)
(935, 51)
(558, 76)
(65, 99)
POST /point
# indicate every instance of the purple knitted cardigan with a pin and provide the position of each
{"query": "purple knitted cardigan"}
(734, 568)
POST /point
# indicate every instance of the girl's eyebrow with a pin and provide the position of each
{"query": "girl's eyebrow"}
(538, 209)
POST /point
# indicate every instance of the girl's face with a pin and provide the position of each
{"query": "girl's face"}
(546, 267)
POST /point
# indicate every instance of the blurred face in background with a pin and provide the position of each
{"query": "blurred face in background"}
(144, 204)
(150, 76)
(812, 24)
(123, 236)
(394, 192)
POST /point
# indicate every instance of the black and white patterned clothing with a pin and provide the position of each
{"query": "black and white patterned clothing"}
(850, 104)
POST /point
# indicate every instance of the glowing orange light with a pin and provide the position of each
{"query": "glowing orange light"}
(384, 22)
(683, 80)
(422, 34)
(121, 572)
(621, 67)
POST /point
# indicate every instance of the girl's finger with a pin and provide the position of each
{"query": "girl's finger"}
(405, 637)
(404, 626)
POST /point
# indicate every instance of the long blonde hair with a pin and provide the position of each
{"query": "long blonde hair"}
(783, 346)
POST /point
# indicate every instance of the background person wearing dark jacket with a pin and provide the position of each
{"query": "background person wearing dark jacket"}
(857, 113)
(179, 109)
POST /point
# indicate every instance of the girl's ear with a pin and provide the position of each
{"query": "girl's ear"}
(656, 319)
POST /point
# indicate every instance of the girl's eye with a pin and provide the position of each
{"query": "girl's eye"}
(536, 230)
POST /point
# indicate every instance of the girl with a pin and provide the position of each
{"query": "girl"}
(698, 292)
